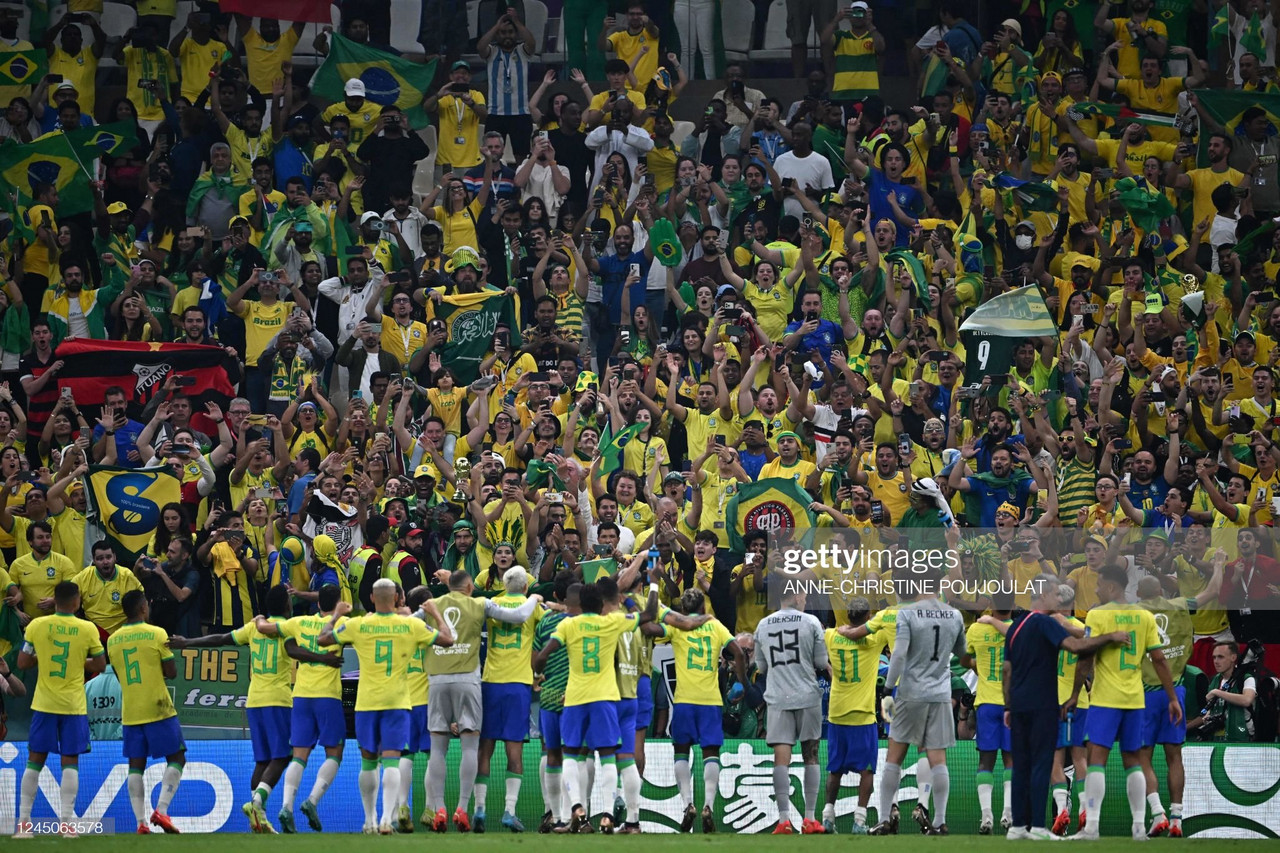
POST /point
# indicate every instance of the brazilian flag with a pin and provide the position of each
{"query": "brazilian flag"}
(105, 139)
(593, 570)
(1017, 313)
(53, 160)
(387, 79)
(23, 67)
(1174, 14)
(611, 447)
(470, 321)
(128, 501)
(1225, 107)
(772, 505)
(1030, 195)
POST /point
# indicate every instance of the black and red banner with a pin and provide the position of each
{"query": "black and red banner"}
(90, 367)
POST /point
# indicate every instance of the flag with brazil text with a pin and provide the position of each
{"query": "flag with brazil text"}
(52, 159)
(470, 319)
(22, 67)
(127, 502)
(772, 505)
(387, 79)
(311, 11)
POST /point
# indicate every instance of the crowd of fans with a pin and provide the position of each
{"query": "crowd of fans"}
(809, 330)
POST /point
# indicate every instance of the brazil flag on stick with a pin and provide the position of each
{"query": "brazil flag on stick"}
(128, 501)
(470, 320)
(387, 79)
(772, 505)
(50, 160)
(105, 139)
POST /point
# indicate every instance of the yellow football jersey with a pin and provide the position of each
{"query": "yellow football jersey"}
(510, 655)
(697, 655)
(386, 644)
(313, 680)
(61, 643)
(138, 652)
(592, 643)
(101, 598)
(269, 670)
(1117, 670)
(855, 666)
(1067, 674)
(986, 644)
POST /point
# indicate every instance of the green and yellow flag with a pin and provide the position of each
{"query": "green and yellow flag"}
(1221, 28)
(1017, 313)
(23, 67)
(127, 502)
(611, 447)
(1225, 106)
(773, 504)
(933, 76)
(51, 159)
(1252, 39)
(593, 570)
(470, 320)
(387, 79)
(105, 139)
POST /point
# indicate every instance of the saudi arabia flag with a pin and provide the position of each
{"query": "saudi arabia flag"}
(470, 320)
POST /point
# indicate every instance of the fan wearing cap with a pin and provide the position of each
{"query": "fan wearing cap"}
(857, 51)
(116, 235)
(788, 464)
(1006, 56)
(1040, 126)
(461, 109)
(89, 319)
(360, 112)
(64, 97)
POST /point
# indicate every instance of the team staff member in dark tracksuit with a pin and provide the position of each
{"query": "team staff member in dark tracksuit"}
(1031, 701)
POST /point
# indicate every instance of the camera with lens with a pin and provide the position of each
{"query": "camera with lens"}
(1019, 546)
(1213, 719)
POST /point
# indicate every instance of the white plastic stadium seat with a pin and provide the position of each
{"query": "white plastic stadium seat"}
(556, 56)
(424, 174)
(406, 19)
(536, 14)
(776, 44)
(680, 131)
(736, 19)
(117, 20)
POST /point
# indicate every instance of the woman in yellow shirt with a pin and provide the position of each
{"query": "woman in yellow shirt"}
(457, 213)
(772, 296)
(1060, 48)
(644, 447)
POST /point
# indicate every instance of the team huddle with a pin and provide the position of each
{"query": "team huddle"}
(421, 683)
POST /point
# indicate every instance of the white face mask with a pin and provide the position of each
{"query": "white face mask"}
(1023, 241)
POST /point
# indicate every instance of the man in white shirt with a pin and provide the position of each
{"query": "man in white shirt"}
(806, 168)
(619, 135)
(542, 177)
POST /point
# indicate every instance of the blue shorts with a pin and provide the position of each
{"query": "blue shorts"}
(627, 726)
(852, 749)
(1107, 726)
(269, 731)
(696, 724)
(419, 733)
(549, 723)
(382, 731)
(992, 733)
(1156, 727)
(316, 721)
(644, 702)
(593, 725)
(506, 711)
(158, 739)
(58, 734)
(1071, 732)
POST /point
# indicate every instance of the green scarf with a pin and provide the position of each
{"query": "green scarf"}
(455, 559)
(228, 189)
(15, 330)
